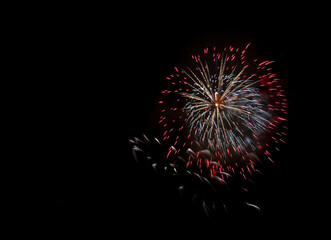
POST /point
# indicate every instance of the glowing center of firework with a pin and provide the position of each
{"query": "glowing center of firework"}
(218, 101)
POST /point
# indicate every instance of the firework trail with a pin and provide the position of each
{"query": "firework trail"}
(218, 118)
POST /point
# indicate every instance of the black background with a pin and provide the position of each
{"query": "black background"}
(96, 76)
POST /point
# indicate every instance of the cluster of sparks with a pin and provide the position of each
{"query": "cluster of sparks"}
(218, 118)
(224, 112)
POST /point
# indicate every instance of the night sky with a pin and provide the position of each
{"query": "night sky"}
(100, 80)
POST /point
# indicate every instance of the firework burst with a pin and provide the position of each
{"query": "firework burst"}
(227, 105)
(218, 118)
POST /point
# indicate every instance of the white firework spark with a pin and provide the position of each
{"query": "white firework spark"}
(225, 110)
